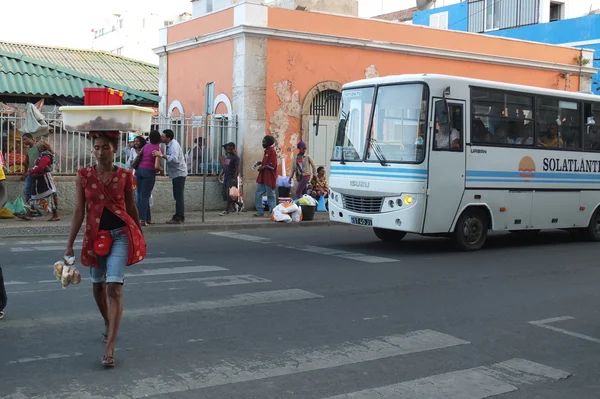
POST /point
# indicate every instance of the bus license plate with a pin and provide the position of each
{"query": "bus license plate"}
(361, 221)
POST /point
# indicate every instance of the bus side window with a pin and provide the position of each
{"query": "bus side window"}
(450, 139)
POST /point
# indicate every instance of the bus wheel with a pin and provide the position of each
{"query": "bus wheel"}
(471, 230)
(592, 232)
(388, 235)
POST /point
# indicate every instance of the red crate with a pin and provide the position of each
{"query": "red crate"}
(95, 96)
(115, 97)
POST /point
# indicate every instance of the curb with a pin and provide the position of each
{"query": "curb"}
(170, 229)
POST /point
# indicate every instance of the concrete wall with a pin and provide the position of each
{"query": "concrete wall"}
(162, 195)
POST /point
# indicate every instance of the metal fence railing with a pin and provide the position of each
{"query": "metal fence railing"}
(73, 150)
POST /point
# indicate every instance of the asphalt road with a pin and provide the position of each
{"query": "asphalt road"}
(312, 313)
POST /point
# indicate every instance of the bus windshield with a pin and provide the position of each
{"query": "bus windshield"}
(354, 124)
(399, 124)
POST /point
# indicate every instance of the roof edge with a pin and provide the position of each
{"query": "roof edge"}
(69, 71)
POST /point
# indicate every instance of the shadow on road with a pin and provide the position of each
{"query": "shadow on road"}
(414, 244)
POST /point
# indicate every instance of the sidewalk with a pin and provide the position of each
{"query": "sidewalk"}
(213, 222)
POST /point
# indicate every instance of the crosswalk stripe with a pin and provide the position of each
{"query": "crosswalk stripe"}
(309, 248)
(341, 254)
(166, 261)
(175, 270)
(42, 248)
(243, 237)
(476, 383)
(45, 242)
(294, 362)
(289, 363)
(246, 299)
(158, 272)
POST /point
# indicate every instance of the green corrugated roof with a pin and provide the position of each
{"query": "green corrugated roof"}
(23, 75)
(115, 68)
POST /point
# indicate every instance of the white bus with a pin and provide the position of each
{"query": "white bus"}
(449, 156)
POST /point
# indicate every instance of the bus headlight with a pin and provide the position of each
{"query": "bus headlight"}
(408, 199)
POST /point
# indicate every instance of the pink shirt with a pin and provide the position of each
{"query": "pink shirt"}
(147, 158)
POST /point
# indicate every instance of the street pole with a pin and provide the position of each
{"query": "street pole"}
(208, 100)
(205, 164)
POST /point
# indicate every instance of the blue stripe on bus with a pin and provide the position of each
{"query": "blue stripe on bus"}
(530, 181)
(535, 175)
(383, 175)
(378, 169)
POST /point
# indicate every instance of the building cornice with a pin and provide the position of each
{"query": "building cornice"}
(398, 48)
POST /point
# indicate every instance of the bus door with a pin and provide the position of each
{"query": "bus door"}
(446, 169)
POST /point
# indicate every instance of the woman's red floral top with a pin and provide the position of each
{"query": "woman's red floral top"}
(99, 195)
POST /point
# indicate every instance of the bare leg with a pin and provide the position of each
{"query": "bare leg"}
(115, 310)
(101, 301)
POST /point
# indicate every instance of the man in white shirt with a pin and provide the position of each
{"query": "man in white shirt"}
(447, 138)
(177, 170)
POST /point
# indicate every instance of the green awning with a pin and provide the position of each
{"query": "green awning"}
(21, 75)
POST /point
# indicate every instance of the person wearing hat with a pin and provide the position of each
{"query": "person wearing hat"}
(231, 171)
(301, 169)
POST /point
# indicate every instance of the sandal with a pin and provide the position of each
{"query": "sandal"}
(54, 219)
(108, 361)
(24, 217)
(1, 314)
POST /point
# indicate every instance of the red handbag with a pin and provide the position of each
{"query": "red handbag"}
(103, 243)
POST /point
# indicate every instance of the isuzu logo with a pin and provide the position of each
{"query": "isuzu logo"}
(357, 183)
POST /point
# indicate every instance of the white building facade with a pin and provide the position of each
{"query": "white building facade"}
(134, 33)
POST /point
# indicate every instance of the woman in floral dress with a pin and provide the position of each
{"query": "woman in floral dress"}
(113, 238)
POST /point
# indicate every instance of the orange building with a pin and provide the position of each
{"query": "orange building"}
(275, 69)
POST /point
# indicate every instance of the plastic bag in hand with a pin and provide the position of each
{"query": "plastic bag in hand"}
(66, 272)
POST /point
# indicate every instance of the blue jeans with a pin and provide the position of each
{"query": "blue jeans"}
(261, 189)
(145, 179)
(112, 267)
(28, 188)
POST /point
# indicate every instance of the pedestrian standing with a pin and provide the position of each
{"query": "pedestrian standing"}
(3, 201)
(302, 168)
(267, 177)
(177, 170)
(113, 237)
(145, 176)
(231, 172)
(31, 155)
(44, 196)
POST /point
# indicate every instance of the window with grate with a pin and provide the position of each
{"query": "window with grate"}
(556, 11)
(326, 103)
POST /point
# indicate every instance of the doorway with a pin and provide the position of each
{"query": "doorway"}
(323, 122)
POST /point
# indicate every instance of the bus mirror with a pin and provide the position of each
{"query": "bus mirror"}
(442, 114)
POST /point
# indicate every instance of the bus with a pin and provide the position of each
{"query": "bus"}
(449, 156)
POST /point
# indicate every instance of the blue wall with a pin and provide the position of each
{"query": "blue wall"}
(458, 16)
(559, 32)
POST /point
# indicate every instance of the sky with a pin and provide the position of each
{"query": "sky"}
(69, 23)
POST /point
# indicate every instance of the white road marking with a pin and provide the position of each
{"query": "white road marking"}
(544, 324)
(51, 356)
(206, 281)
(476, 383)
(156, 272)
(341, 254)
(42, 248)
(243, 237)
(44, 242)
(15, 283)
(166, 261)
(247, 299)
(310, 248)
(215, 281)
(375, 318)
(175, 270)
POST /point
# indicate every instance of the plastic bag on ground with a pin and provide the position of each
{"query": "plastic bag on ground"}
(6, 214)
(278, 216)
(17, 207)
